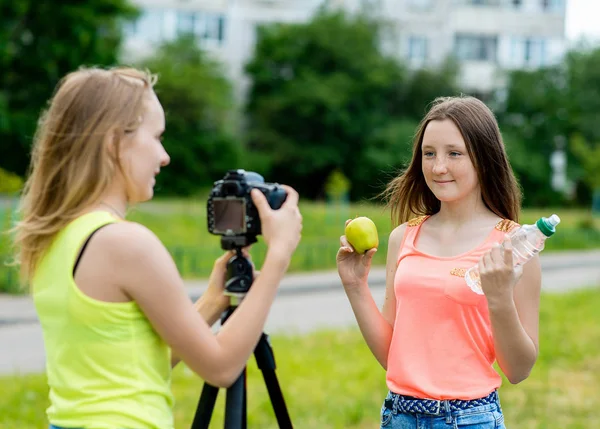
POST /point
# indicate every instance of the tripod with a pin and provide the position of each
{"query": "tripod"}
(239, 280)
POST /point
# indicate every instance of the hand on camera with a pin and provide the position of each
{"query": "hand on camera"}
(280, 228)
(353, 267)
(216, 282)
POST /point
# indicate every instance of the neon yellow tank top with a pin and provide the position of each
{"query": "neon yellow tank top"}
(107, 368)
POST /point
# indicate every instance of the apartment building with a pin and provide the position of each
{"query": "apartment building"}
(488, 37)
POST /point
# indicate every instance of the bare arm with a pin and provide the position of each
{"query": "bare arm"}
(375, 326)
(149, 276)
(514, 314)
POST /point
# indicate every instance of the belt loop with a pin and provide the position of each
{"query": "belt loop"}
(395, 405)
(448, 412)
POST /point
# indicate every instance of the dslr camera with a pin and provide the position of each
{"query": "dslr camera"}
(231, 212)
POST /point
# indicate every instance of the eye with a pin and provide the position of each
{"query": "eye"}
(455, 154)
(428, 154)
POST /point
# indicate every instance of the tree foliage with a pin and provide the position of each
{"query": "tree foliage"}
(198, 104)
(325, 97)
(41, 41)
(548, 109)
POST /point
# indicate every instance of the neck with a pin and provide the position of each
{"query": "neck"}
(463, 211)
(115, 203)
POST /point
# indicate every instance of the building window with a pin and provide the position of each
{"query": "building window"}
(529, 52)
(476, 47)
(419, 4)
(483, 2)
(534, 52)
(417, 48)
(205, 25)
(552, 5)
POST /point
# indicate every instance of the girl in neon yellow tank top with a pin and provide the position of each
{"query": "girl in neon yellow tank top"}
(113, 309)
(437, 339)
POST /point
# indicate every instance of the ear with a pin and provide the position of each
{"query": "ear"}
(111, 143)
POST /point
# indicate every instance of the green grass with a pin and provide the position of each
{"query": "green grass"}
(330, 379)
(181, 226)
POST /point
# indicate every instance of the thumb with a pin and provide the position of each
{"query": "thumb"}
(259, 200)
(222, 260)
(369, 255)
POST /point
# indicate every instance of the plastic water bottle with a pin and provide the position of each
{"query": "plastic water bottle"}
(527, 241)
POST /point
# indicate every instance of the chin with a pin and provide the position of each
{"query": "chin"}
(448, 197)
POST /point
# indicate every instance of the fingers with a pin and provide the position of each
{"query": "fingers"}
(370, 253)
(496, 256)
(344, 244)
(347, 222)
(292, 196)
(508, 251)
(222, 260)
(260, 201)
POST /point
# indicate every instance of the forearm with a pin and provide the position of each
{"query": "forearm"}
(376, 331)
(515, 351)
(209, 312)
(240, 334)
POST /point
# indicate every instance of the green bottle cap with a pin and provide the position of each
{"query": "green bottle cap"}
(548, 225)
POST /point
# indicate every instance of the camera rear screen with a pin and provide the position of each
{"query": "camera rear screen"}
(230, 215)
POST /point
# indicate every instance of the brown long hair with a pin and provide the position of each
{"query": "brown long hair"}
(409, 196)
(71, 166)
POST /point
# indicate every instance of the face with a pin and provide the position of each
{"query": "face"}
(142, 152)
(447, 167)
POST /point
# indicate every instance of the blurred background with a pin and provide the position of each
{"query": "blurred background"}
(326, 95)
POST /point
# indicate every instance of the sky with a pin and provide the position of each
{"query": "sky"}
(583, 19)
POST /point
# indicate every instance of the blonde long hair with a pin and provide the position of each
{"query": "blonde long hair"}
(71, 164)
(408, 195)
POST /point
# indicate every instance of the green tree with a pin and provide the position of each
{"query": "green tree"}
(323, 96)
(198, 103)
(426, 84)
(40, 41)
(553, 108)
(535, 121)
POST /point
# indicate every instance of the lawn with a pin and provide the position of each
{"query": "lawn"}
(330, 380)
(181, 225)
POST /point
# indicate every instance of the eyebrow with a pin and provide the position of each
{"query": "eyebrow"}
(449, 146)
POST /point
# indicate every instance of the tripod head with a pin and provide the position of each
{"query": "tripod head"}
(240, 275)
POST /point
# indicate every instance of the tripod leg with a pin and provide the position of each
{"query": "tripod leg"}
(235, 404)
(265, 361)
(206, 406)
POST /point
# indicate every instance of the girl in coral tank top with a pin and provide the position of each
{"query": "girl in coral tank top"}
(437, 339)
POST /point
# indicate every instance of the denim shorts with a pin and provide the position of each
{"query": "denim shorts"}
(402, 412)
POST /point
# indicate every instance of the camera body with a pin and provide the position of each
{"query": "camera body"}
(231, 212)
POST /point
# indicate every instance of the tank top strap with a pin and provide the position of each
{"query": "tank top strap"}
(502, 228)
(76, 234)
(408, 241)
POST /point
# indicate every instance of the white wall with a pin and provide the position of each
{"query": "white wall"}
(526, 31)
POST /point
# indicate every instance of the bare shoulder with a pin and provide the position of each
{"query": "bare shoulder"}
(394, 243)
(397, 235)
(132, 247)
(127, 239)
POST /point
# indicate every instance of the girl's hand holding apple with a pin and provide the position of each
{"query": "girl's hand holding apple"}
(357, 247)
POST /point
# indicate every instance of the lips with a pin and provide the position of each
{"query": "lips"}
(443, 182)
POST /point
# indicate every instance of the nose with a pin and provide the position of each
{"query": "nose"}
(165, 159)
(439, 167)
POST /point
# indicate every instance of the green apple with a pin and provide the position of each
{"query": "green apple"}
(361, 233)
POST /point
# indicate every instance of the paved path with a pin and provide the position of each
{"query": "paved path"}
(305, 302)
